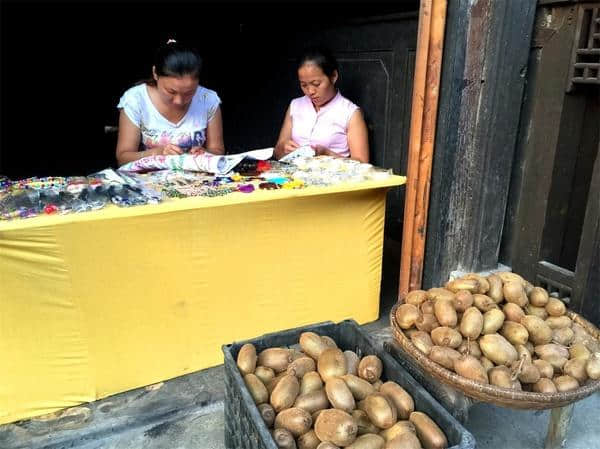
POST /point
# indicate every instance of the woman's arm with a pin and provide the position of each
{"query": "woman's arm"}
(285, 144)
(358, 137)
(214, 134)
(128, 141)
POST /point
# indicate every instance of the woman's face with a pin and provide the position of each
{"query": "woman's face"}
(176, 92)
(315, 84)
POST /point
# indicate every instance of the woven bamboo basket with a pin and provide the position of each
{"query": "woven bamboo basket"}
(504, 397)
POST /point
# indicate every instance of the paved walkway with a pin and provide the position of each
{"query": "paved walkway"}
(187, 412)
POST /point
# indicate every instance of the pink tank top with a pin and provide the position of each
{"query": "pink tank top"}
(328, 127)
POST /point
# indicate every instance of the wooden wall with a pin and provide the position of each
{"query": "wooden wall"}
(551, 224)
(483, 78)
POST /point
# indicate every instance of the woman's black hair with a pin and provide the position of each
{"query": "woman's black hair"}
(177, 59)
(321, 57)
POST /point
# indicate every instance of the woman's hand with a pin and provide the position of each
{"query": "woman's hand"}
(167, 150)
(289, 146)
(320, 150)
(171, 149)
(198, 150)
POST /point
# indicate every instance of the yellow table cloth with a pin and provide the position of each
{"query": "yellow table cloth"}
(101, 302)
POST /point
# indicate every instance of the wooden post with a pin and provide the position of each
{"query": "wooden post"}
(414, 145)
(486, 51)
(434, 68)
(430, 40)
(560, 418)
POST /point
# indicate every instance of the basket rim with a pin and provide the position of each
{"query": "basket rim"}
(483, 392)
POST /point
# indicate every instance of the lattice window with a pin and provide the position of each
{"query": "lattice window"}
(557, 280)
(585, 62)
(554, 288)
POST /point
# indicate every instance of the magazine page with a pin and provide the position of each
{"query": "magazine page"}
(205, 162)
(300, 152)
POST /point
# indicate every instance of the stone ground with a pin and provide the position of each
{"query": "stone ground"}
(187, 412)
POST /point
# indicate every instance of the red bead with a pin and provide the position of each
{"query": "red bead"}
(263, 166)
(50, 208)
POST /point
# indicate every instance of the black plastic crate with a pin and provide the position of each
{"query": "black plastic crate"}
(244, 427)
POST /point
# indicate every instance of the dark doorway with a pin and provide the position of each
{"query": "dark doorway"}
(66, 64)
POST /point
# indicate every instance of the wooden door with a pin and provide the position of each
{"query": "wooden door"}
(551, 231)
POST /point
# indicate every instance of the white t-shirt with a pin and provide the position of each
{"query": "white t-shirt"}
(156, 130)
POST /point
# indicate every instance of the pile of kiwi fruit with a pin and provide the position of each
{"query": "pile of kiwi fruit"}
(314, 395)
(501, 330)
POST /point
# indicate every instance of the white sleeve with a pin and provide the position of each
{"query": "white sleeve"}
(212, 103)
(130, 103)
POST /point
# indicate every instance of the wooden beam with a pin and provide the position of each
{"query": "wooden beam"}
(558, 274)
(416, 122)
(585, 298)
(483, 76)
(434, 68)
(430, 45)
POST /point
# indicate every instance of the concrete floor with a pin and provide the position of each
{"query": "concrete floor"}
(187, 412)
(493, 427)
(496, 427)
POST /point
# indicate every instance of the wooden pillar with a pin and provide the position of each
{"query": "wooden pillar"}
(414, 148)
(486, 51)
(430, 44)
(558, 426)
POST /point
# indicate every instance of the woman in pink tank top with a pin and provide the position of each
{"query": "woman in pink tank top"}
(322, 119)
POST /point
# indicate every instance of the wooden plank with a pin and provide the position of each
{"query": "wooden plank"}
(584, 154)
(497, 132)
(590, 65)
(563, 174)
(416, 124)
(483, 77)
(556, 273)
(560, 418)
(455, 43)
(588, 51)
(538, 138)
(557, 280)
(590, 43)
(434, 66)
(550, 2)
(581, 80)
(587, 272)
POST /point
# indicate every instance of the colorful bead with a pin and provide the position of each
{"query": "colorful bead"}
(50, 209)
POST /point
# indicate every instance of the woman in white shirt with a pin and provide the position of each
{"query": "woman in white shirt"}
(171, 113)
